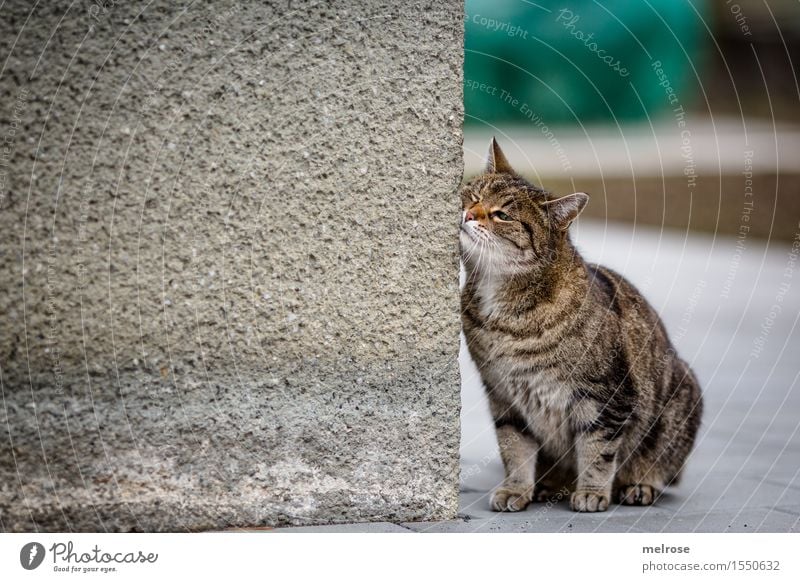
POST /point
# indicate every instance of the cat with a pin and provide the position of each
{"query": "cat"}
(584, 386)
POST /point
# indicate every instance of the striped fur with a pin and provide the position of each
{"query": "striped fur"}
(584, 386)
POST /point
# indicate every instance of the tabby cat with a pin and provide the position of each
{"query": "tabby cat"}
(584, 386)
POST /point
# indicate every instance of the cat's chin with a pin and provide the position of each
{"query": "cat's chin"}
(469, 244)
(487, 266)
(467, 234)
(491, 259)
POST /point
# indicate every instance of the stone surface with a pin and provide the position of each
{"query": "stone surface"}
(229, 285)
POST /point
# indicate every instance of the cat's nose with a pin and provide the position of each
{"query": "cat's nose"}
(469, 216)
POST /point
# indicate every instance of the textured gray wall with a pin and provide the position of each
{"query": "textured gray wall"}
(228, 283)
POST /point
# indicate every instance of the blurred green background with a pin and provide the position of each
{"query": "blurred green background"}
(578, 60)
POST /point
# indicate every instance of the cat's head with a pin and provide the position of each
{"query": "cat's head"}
(509, 225)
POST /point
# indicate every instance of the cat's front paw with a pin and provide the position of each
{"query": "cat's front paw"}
(637, 494)
(511, 498)
(588, 501)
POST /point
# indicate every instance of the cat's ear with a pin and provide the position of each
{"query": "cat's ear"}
(496, 162)
(564, 210)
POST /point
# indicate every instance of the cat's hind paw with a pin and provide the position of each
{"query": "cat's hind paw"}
(588, 501)
(637, 494)
(511, 498)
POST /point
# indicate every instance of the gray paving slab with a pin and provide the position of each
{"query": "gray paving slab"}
(371, 527)
(762, 520)
(586, 524)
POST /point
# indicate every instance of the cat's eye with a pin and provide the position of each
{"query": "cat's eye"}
(500, 215)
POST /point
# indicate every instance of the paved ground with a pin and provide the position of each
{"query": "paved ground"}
(721, 306)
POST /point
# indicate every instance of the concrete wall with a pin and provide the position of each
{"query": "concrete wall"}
(228, 284)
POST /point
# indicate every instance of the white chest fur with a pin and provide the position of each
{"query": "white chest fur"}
(542, 399)
(487, 291)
